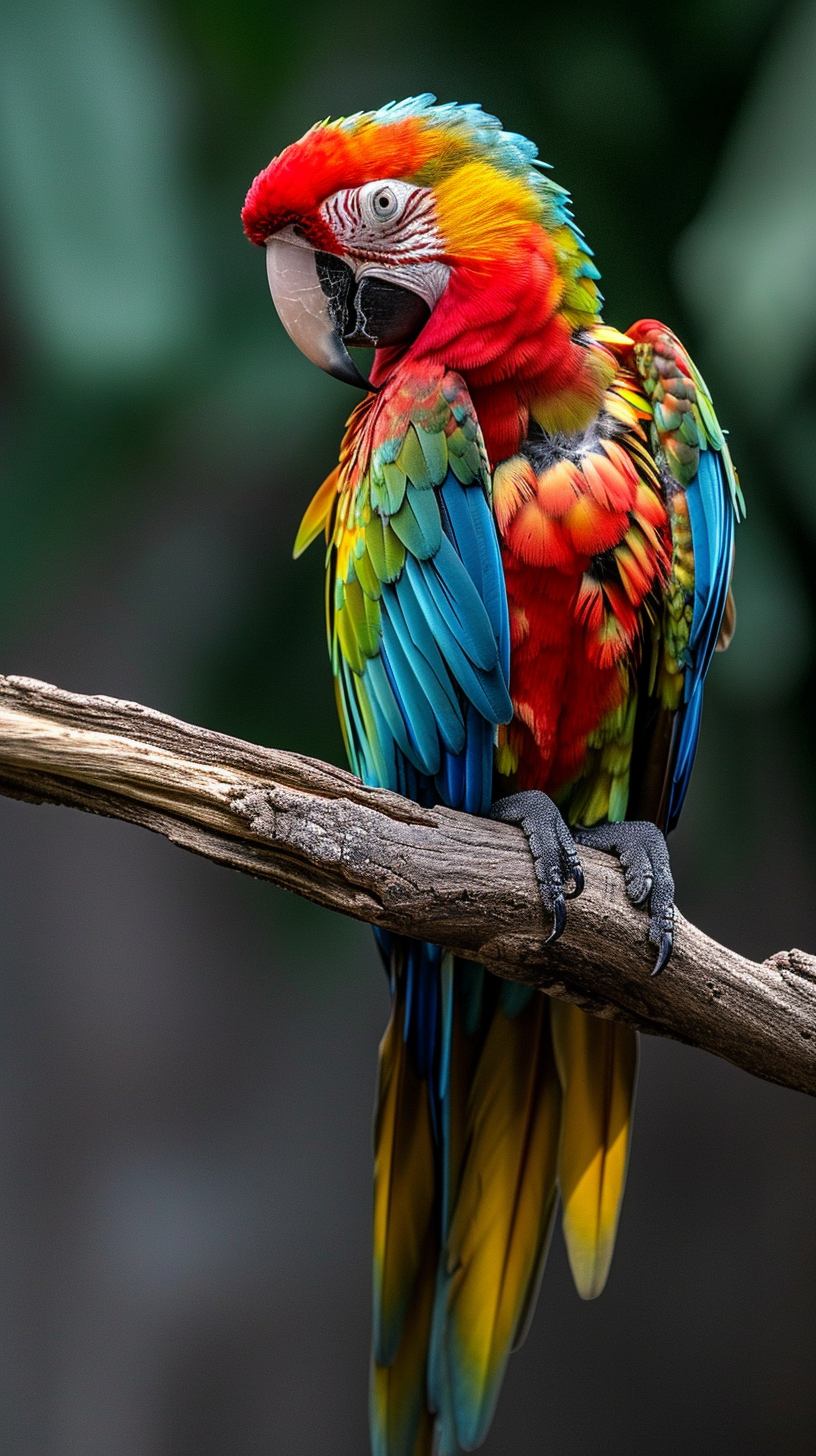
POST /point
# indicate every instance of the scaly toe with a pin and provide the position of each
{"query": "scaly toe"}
(644, 858)
(555, 860)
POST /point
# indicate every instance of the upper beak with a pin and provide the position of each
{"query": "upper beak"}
(323, 307)
(310, 292)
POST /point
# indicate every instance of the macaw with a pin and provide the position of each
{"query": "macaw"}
(529, 553)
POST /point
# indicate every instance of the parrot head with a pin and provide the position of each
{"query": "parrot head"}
(424, 228)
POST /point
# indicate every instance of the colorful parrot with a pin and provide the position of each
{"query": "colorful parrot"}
(529, 553)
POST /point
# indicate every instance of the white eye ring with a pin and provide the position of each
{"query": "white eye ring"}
(383, 204)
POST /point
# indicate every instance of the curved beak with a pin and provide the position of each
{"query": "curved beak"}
(324, 306)
(311, 292)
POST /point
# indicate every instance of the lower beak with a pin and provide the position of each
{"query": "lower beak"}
(323, 308)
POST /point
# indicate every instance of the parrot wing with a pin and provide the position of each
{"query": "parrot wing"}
(416, 606)
(705, 502)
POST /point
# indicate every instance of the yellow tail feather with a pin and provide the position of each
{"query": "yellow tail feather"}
(401, 1423)
(597, 1067)
(403, 1182)
(503, 1214)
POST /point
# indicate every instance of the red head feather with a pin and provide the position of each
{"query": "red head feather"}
(329, 157)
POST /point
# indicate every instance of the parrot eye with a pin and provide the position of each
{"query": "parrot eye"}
(381, 203)
(384, 202)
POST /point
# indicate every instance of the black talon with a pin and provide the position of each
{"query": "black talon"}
(666, 947)
(559, 914)
(578, 880)
(554, 858)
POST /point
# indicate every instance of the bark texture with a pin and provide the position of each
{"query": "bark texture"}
(462, 882)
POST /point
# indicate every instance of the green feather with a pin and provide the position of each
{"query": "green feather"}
(418, 524)
(457, 444)
(461, 469)
(364, 616)
(435, 450)
(387, 486)
(347, 639)
(395, 483)
(366, 575)
(373, 745)
(385, 550)
(394, 554)
(412, 461)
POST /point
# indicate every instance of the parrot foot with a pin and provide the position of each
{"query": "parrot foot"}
(644, 859)
(555, 859)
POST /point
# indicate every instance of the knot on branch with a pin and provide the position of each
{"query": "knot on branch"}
(795, 967)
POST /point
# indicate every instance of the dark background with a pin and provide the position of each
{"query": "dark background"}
(187, 1057)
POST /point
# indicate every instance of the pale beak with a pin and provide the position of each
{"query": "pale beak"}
(310, 292)
(324, 307)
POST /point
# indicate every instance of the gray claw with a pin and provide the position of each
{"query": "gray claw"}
(645, 892)
(641, 849)
(555, 860)
(577, 880)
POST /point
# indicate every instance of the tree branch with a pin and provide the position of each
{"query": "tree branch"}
(462, 882)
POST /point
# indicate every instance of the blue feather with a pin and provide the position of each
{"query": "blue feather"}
(415, 708)
(460, 603)
(468, 521)
(381, 747)
(382, 696)
(478, 764)
(513, 997)
(450, 781)
(486, 690)
(712, 520)
(458, 525)
(446, 988)
(401, 606)
(495, 591)
(425, 696)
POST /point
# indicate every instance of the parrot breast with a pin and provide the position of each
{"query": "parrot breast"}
(585, 545)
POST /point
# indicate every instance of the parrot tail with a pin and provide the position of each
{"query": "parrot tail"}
(597, 1069)
(466, 1151)
(406, 1235)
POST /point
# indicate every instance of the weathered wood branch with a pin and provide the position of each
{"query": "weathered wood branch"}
(463, 882)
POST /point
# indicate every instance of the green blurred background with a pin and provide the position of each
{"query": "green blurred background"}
(187, 1058)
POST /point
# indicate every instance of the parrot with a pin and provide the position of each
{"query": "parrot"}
(529, 551)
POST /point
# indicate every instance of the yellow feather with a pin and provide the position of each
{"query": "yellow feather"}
(564, 410)
(403, 1183)
(506, 207)
(317, 514)
(503, 1215)
(401, 1423)
(613, 337)
(506, 758)
(597, 1066)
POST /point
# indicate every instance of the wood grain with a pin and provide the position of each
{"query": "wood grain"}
(462, 882)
